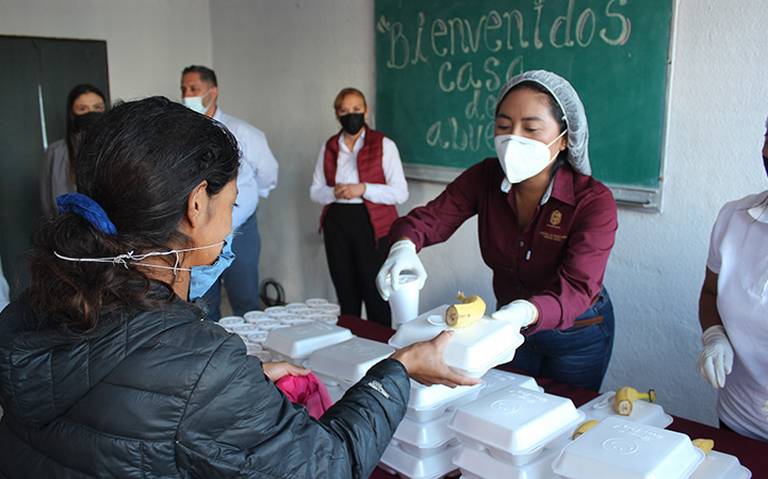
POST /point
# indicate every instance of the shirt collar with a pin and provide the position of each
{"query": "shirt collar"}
(759, 211)
(358, 143)
(560, 186)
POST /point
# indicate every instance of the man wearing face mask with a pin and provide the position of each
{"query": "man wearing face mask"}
(546, 229)
(257, 176)
(358, 179)
(85, 104)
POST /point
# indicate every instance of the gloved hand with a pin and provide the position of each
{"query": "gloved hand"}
(716, 359)
(402, 257)
(520, 311)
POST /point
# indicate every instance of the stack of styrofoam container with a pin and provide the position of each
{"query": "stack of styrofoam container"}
(619, 448)
(513, 432)
(341, 365)
(423, 445)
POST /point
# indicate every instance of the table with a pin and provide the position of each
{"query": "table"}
(752, 454)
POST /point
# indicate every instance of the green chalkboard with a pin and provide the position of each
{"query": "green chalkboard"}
(440, 63)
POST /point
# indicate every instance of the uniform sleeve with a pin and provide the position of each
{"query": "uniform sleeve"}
(440, 218)
(714, 258)
(237, 423)
(395, 190)
(319, 191)
(580, 276)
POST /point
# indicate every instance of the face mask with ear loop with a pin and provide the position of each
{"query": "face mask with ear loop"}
(201, 278)
(195, 103)
(522, 158)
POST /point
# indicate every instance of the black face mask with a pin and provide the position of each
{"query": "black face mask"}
(352, 122)
(81, 122)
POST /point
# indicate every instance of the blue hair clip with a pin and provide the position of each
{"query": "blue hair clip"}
(87, 208)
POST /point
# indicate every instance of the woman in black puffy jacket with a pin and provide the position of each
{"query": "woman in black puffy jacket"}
(106, 369)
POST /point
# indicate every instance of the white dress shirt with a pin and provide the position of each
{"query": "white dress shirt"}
(258, 167)
(395, 191)
(738, 254)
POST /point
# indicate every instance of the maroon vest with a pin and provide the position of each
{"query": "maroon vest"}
(370, 170)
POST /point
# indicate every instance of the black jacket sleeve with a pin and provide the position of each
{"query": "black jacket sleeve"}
(238, 424)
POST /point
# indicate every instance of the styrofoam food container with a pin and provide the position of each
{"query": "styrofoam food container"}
(293, 306)
(301, 341)
(327, 319)
(425, 435)
(228, 321)
(717, 465)
(280, 315)
(257, 336)
(295, 321)
(473, 350)
(350, 360)
(242, 329)
(430, 402)
(496, 379)
(264, 356)
(274, 309)
(643, 412)
(314, 302)
(477, 464)
(514, 424)
(273, 326)
(619, 448)
(329, 308)
(423, 453)
(412, 467)
(255, 316)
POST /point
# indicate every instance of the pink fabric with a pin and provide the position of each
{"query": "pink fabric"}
(307, 391)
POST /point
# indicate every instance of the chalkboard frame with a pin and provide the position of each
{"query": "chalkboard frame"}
(644, 199)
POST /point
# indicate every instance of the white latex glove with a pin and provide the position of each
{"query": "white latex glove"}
(402, 257)
(519, 311)
(716, 359)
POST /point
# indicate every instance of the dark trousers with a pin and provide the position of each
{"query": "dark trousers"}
(242, 277)
(578, 356)
(354, 259)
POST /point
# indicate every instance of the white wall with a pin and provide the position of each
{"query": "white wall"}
(149, 42)
(281, 64)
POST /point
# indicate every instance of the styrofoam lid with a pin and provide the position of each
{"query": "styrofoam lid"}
(496, 379)
(429, 397)
(312, 302)
(643, 412)
(350, 360)
(300, 341)
(472, 350)
(480, 464)
(620, 448)
(721, 466)
(516, 421)
(425, 435)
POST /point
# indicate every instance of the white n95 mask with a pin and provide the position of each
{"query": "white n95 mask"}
(522, 158)
(195, 103)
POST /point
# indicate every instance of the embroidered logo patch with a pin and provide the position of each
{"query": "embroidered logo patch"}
(555, 218)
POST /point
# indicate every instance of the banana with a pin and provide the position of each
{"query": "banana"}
(467, 312)
(584, 428)
(626, 397)
(705, 445)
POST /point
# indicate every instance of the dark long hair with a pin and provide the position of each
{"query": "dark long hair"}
(140, 162)
(73, 138)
